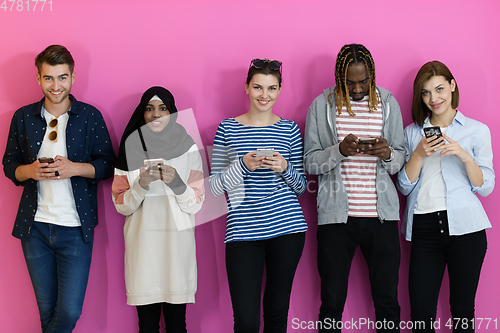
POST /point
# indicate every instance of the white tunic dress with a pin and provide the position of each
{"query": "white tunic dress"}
(160, 253)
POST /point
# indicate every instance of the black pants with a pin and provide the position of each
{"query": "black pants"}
(379, 244)
(433, 249)
(174, 314)
(245, 263)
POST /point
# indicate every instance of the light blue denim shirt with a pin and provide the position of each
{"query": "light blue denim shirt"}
(465, 212)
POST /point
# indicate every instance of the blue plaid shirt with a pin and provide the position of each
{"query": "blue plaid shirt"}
(87, 141)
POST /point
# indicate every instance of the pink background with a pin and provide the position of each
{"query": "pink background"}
(200, 50)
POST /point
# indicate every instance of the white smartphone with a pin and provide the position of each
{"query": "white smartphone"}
(265, 152)
(154, 162)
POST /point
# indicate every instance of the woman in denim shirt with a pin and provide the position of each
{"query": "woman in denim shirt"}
(444, 218)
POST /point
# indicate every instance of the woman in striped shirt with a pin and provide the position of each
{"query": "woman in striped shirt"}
(257, 160)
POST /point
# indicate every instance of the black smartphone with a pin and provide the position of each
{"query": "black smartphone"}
(46, 160)
(434, 130)
(430, 131)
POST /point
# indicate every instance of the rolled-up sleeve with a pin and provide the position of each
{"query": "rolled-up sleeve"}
(483, 156)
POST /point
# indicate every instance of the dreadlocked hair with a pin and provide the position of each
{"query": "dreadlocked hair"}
(351, 54)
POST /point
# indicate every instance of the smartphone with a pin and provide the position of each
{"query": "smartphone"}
(367, 141)
(435, 130)
(46, 160)
(265, 152)
(154, 163)
(430, 131)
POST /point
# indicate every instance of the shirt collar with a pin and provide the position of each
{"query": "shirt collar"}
(47, 116)
(459, 117)
(72, 109)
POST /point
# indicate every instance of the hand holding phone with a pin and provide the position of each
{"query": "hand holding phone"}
(151, 171)
(434, 130)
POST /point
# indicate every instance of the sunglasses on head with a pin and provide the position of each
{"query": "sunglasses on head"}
(53, 135)
(275, 65)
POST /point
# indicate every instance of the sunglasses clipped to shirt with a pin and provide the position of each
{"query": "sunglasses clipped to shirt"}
(274, 65)
(53, 135)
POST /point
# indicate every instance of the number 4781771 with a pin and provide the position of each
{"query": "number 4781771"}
(24, 5)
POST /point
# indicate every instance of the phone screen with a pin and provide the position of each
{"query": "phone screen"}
(430, 131)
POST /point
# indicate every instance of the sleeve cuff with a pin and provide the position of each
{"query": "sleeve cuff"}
(477, 188)
(139, 189)
(177, 185)
(184, 195)
(335, 149)
(245, 170)
(403, 178)
(289, 169)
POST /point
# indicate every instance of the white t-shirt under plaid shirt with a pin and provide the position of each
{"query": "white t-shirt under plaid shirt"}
(359, 172)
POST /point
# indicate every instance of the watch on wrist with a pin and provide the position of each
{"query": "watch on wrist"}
(391, 156)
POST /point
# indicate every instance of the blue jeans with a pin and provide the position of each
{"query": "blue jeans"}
(58, 262)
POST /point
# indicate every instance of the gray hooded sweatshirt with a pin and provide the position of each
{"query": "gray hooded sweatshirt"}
(322, 157)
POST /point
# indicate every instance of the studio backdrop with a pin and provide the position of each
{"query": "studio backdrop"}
(200, 51)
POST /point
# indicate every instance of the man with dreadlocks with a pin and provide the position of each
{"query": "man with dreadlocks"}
(357, 201)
